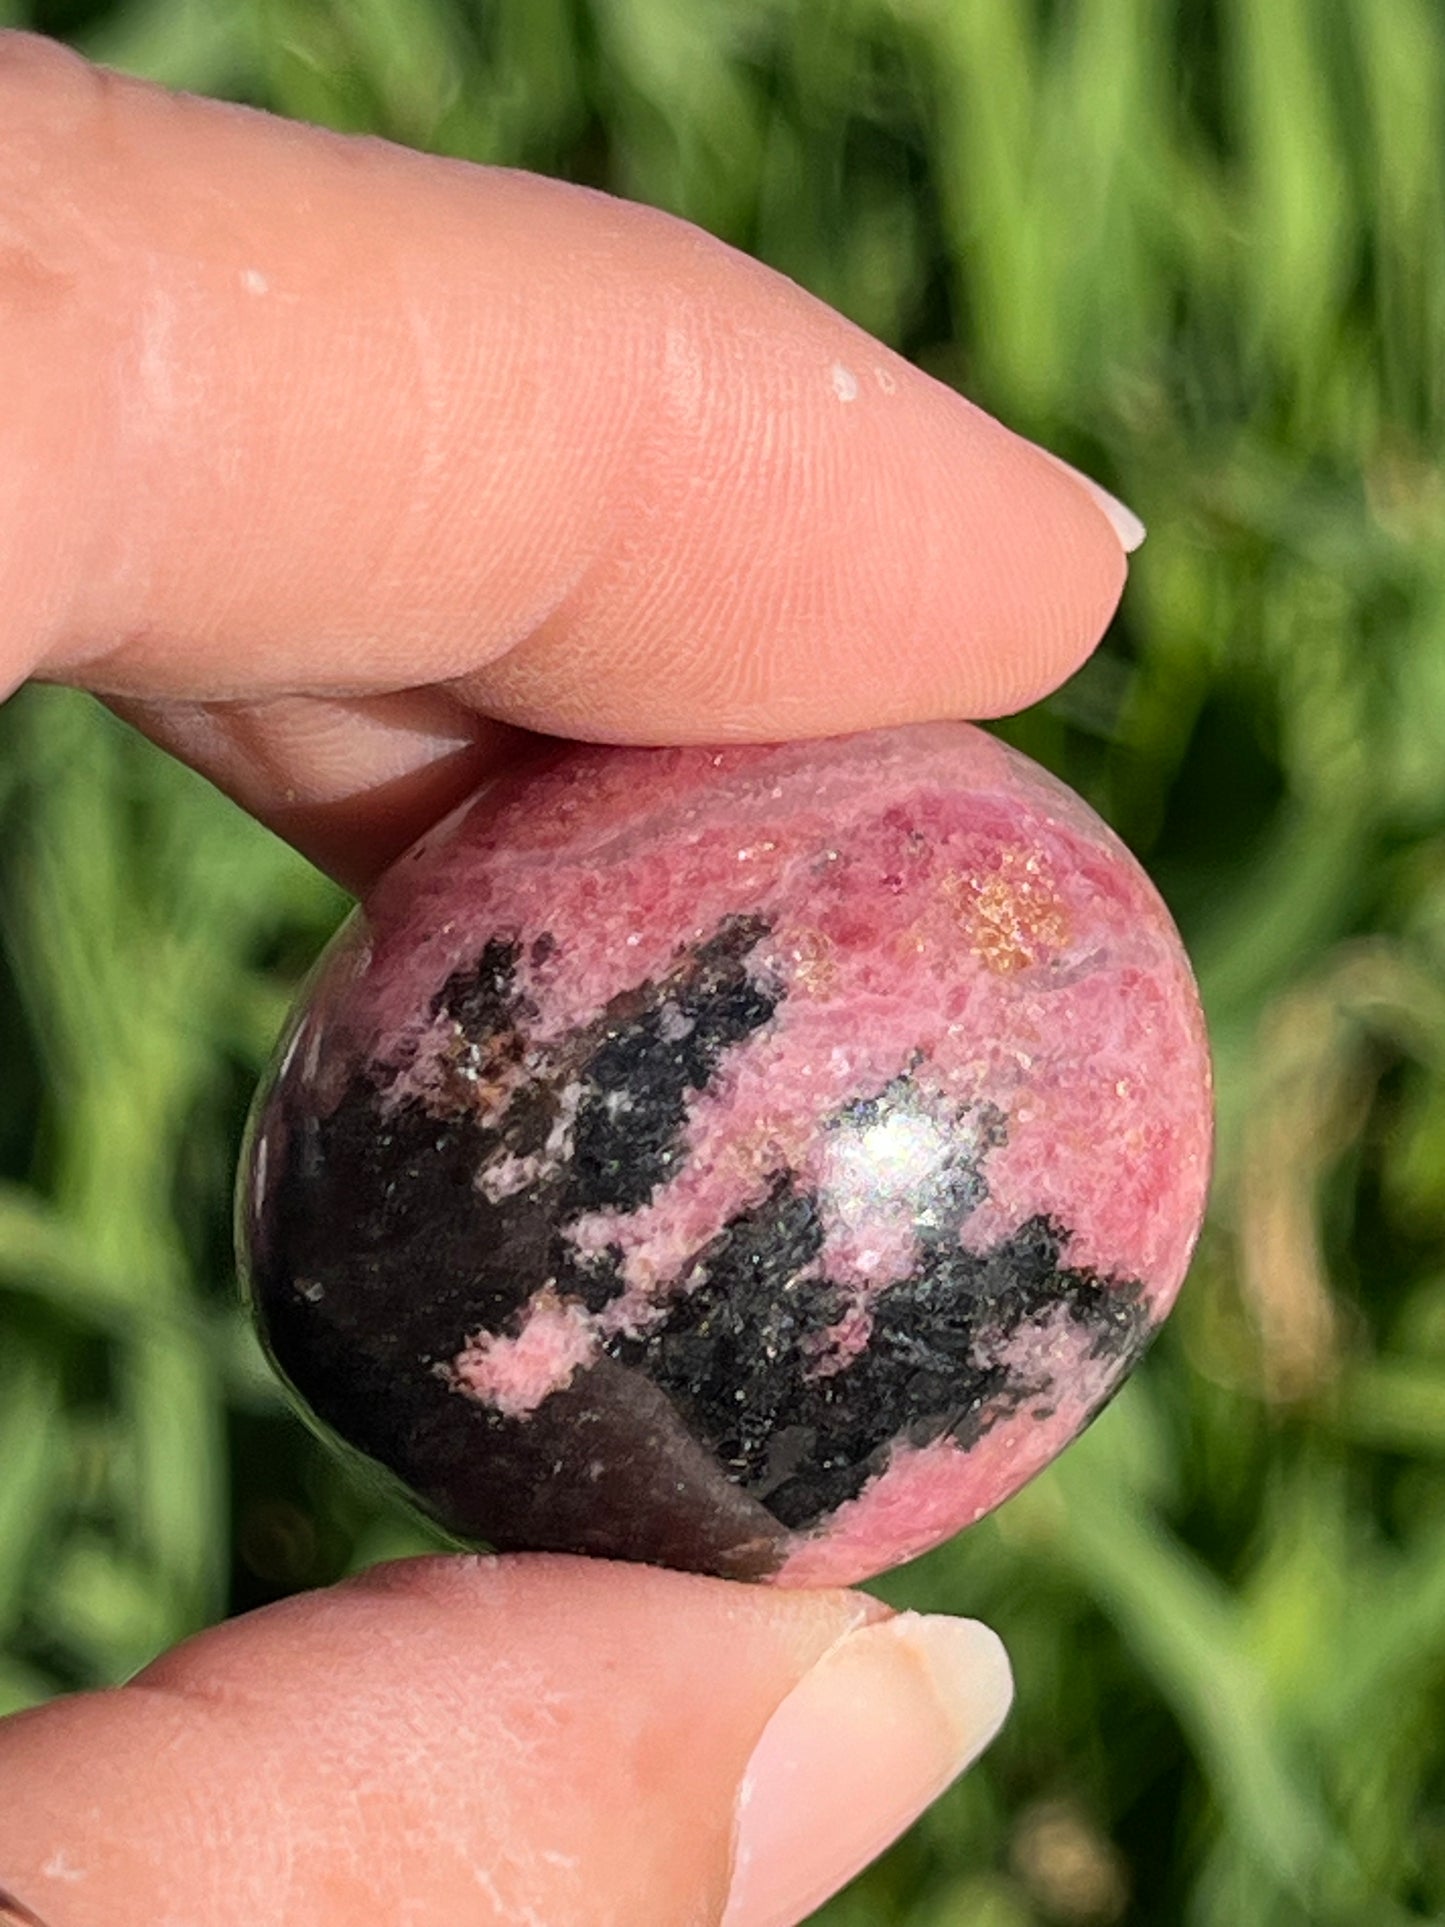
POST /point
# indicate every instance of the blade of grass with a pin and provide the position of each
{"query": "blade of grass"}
(31, 1447)
(1184, 1629)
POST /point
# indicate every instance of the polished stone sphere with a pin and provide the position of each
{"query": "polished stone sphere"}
(756, 1160)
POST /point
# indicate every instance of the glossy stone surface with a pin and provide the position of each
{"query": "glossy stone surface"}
(759, 1161)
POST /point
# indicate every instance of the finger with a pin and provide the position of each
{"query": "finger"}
(314, 414)
(351, 781)
(472, 1742)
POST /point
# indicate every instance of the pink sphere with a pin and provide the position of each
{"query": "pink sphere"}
(758, 1160)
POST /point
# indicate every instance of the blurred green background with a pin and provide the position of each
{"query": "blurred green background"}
(1196, 246)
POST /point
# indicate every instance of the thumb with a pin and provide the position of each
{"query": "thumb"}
(479, 1741)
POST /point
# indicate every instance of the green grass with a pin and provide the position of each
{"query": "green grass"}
(1195, 245)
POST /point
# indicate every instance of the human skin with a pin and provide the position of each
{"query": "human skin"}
(337, 469)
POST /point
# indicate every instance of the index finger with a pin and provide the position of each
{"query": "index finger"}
(302, 410)
(311, 417)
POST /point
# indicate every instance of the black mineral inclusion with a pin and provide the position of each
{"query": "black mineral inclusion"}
(375, 1257)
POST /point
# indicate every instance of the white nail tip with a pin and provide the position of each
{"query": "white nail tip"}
(864, 1742)
(968, 1670)
(1125, 523)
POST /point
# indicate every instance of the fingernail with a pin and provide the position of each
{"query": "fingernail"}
(863, 1743)
(1126, 524)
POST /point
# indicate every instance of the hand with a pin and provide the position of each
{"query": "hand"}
(335, 469)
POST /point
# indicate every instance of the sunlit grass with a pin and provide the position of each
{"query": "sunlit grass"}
(1196, 246)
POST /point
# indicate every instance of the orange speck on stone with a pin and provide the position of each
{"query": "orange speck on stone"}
(811, 961)
(1012, 916)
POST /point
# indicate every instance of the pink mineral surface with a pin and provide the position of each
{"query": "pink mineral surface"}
(758, 1160)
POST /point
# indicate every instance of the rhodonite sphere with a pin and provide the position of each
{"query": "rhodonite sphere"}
(758, 1160)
